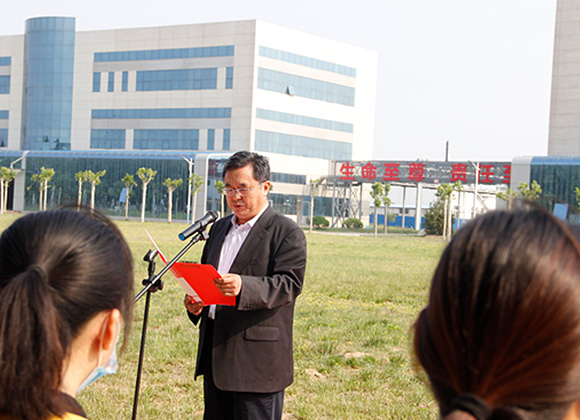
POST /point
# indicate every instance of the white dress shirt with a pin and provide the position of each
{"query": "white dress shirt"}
(231, 246)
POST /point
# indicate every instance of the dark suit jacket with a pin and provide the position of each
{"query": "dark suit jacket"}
(252, 342)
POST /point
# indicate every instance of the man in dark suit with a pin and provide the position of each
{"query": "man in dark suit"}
(245, 352)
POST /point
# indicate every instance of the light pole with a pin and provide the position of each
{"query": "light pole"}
(476, 166)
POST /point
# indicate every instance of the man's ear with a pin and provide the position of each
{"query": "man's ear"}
(111, 329)
(267, 186)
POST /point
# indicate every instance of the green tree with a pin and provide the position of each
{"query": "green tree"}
(444, 193)
(45, 176)
(80, 177)
(129, 181)
(171, 185)
(386, 201)
(35, 178)
(7, 175)
(219, 186)
(195, 183)
(377, 190)
(313, 187)
(530, 192)
(524, 190)
(146, 175)
(95, 179)
(434, 218)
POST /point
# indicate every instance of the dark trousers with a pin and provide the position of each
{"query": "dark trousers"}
(227, 405)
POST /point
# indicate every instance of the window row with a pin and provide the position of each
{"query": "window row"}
(3, 137)
(5, 61)
(305, 87)
(4, 84)
(307, 61)
(165, 54)
(161, 80)
(186, 79)
(162, 139)
(286, 144)
(288, 178)
(107, 139)
(267, 114)
(166, 139)
(161, 113)
(4, 114)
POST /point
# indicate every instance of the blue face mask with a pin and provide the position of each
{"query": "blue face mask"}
(109, 368)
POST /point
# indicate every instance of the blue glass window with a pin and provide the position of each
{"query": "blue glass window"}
(229, 77)
(305, 87)
(4, 84)
(125, 81)
(286, 144)
(49, 54)
(307, 61)
(226, 142)
(107, 139)
(3, 137)
(303, 120)
(5, 61)
(166, 54)
(96, 82)
(161, 113)
(166, 139)
(111, 84)
(4, 114)
(185, 79)
(211, 139)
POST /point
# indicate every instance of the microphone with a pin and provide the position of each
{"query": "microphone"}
(201, 224)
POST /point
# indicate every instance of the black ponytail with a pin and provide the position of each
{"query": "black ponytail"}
(58, 269)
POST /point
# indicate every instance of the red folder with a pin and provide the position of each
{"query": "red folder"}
(197, 281)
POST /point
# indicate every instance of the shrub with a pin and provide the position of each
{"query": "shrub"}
(353, 223)
(320, 222)
(433, 222)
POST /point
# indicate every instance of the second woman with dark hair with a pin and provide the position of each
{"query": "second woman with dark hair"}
(66, 288)
(500, 336)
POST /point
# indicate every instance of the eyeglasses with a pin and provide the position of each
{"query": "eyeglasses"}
(230, 192)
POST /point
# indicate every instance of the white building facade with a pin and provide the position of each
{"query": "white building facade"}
(193, 90)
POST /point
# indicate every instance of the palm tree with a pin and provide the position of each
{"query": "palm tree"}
(171, 185)
(94, 179)
(387, 202)
(313, 185)
(129, 182)
(195, 184)
(7, 175)
(219, 185)
(146, 175)
(80, 177)
(34, 179)
(377, 194)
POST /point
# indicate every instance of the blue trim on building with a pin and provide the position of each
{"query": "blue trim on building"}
(307, 61)
(165, 54)
(160, 113)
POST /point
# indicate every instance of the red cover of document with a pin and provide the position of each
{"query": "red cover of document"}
(197, 280)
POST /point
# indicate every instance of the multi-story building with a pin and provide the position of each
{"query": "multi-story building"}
(564, 136)
(127, 98)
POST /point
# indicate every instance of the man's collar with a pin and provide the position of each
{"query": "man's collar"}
(250, 222)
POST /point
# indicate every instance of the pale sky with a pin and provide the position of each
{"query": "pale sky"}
(474, 73)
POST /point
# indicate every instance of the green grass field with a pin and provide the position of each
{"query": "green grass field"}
(351, 335)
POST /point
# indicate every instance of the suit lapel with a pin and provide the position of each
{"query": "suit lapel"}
(219, 232)
(255, 237)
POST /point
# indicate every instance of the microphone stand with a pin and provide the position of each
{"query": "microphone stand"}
(152, 284)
